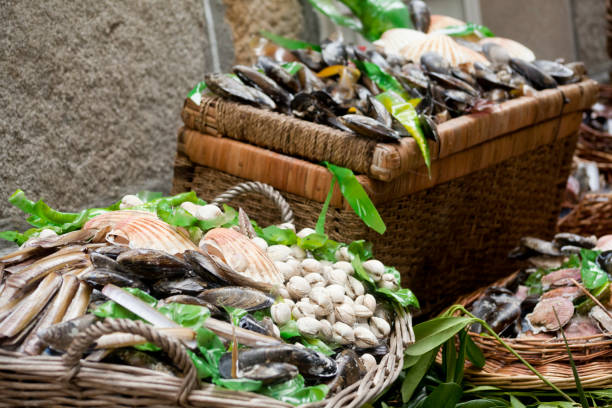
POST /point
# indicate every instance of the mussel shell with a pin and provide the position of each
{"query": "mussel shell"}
(565, 238)
(536, 77)
(488, 79)
(311, 58)
(558, 71)
(231, 88)
(237, 296)
(150, 264)
(267, 373)
(375, 57)
(334, 53)
(205, 267)
(248, 322)
(376, 110)
(60, 335)
(433, 62)
(181, 286)
(310, 363)
(350, 370)
(99, 277)
(192, 300)
(268, 86)
(309, 81)
(369, 127)
(495, 53)
(504, 316)
(541, 246)
(280, 75)
(420, 15)
(379, 351)
(429, 127)
(604, 260)
(454, 83)
(103, 261)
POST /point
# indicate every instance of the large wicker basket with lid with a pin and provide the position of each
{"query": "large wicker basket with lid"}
(494, 178)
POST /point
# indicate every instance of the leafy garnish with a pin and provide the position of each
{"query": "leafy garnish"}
(288, 43)
(385, 81)
(467, 29)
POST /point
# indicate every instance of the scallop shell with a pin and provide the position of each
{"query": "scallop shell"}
(514, 48)
(444, 45)
(439, 22)
(242, 255)
(140, 229)
(393, 40)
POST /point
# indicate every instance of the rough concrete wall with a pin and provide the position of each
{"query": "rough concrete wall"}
(91, 91)
(591, 32)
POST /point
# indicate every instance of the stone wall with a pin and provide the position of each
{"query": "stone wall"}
(91, 91)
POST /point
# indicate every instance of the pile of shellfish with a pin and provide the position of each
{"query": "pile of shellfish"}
(443, 76)
(550, 296)
(52, 283)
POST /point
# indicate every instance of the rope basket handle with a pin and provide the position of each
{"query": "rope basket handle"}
(263, 189)
(173, 348)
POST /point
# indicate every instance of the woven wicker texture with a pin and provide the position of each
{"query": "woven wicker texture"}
(449, 233)
(593, 357)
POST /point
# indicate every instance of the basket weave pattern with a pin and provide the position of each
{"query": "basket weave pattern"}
(449, 233)
(592, 355)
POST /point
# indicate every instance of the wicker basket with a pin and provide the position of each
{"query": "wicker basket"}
(495, 178)
(69, 381)
(592, 355)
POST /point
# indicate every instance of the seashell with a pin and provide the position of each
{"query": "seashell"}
(374, 268)
(393, 40)
(345, 266)
(284, 293)
(348, 300)
(279, 252)
(345, 313)
(303, 233)
(438, 22)
(444, 45)
(47, 233)
(190, 207)
(242, 255)
(514, 48)
(297, 252)
(303, 309)
(208, 212)
(362, 311)
(320, 297)
(356, 286)
(298, 287)
(326, 331)
(368, 361)
(140, 229)
(287, 225)
(261, 243)
(543, 316)
(336, 293)
(237, 296)
(308, 326)
(380, 327)
(388, 281)
(281, 313)
(286, 270)
(343, 333)
(343, 254)
(315, 280)
(311, 265)
(364, 337)
(129, 201)
(337, 276)
(366, 300)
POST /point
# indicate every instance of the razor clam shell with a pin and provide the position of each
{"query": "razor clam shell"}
(81, 236)
(29, 307)
(141, 229)
(234, 248)
(79, 303)
(236, 296)
(22, 255)
(45, 266)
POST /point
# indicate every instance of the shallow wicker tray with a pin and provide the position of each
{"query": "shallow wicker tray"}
(592, 355)
(69, 381)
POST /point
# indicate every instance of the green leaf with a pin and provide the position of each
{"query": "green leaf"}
(146, 196)
(583, 400)
(482, 403)
(592, 275)
(278, 236)
(474, 353)
(294, 392)
(329, 9)
(328, 251)
(196, 93)
(403, 296)
(292, 67)
(385, 81)
(433, 333)
(289, 330)
(378, 16)
(599, 293)
(238, 384)
(312, 241)
(416, 372)
(191, 316)
(320, 228)
(357, 197)
(445, 395)
(203, 369)
(114, 310)
(288, 43)
(235, 314)
(515, 403)
(467, 29)
(361, 248)
(405, 113)
(318, 345)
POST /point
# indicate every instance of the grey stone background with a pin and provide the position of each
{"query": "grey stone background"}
(91, 92)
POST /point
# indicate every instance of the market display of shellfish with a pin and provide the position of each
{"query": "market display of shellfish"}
(297, 304)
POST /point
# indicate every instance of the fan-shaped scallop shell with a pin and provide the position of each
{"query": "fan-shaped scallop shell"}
(242, 255)
(438, 22)
(140, 229)
(393, 40)
(455, 53)
(514, 48)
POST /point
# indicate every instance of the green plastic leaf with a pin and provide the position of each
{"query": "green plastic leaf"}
(146, 196)
(203, 369)
(288, 43)
(385, 81)
(292, 67)
(289, 330)
(467, 29)
(235, 314)
(196, 93)
(312, 241)
(405, 113)
(445, 395)
(318, 345)
(474, 353)
(331, 10)
(294, 391)
(361, 248)
(114, 310)
(403, 296)
(327, 251)
(416, 372)
(482, 403)
(357, 197)
(378, 16)
(583, 400)
(592, 275)
(433, 333)
(238, 384)
(515, 403)
(191, 316)
(320, 228)
(278, 236)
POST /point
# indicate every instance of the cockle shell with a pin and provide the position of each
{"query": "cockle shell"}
(444, 45)
(438, 22)
(140, 229)
(241, 254)
(392, 41)
(514, 48)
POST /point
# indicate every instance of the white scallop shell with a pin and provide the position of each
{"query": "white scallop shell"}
(439, 22)
(140, 229)
(514, 48)
(444, 45)
(393, 40)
